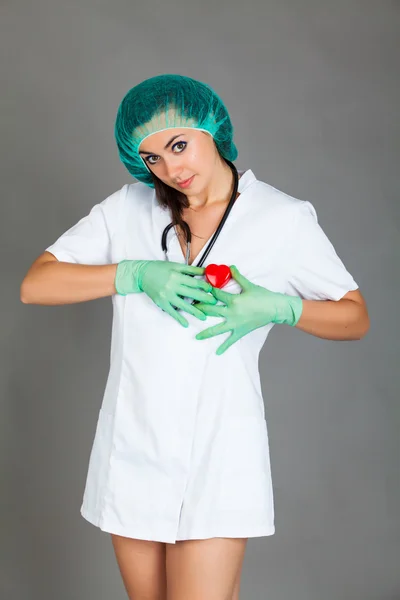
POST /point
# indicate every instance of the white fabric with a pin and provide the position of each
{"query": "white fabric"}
(181, 447)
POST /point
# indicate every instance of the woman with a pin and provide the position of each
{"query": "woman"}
(179, 472)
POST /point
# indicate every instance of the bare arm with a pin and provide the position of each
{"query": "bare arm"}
(345, 319)
(52, 282)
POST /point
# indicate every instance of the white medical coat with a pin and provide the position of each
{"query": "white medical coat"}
(181, 446)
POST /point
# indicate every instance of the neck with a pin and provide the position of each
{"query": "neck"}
(219, 189)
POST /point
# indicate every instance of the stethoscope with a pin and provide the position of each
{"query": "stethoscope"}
(216, 233)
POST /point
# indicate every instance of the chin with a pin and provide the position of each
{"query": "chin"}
(193, 189)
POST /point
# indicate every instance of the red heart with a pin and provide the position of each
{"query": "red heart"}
(218, 275)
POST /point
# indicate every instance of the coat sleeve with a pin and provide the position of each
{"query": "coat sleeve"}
(89, 240)
(313, 269)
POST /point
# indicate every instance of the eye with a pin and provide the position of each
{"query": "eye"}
(184, 144)
(178, 144)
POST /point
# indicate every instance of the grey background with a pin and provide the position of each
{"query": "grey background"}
(313, 92)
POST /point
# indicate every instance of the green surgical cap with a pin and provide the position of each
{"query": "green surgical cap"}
(164, 102)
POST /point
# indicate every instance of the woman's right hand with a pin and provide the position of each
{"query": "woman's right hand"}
(166, 283)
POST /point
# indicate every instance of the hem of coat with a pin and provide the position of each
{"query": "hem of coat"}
(132, 532)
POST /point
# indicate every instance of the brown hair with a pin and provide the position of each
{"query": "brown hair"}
(170, 198)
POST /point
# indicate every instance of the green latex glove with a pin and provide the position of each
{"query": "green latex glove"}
(166, 283)
(254, 307)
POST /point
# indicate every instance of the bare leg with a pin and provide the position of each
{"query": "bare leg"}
(209, 568)
(142, 567)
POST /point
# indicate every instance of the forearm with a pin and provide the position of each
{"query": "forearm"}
(56, 282)
(334, 320)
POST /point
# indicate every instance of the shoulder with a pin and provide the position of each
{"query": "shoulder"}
(130, 195)
(282, 209)
(135, 192)
(141, 196)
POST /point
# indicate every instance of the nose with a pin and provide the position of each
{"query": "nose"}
(174, 167)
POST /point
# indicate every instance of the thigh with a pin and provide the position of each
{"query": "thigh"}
(199, 569)
(142, 567)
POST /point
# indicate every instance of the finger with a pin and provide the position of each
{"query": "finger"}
(196, 294)
(241, 279)
(199, 314)
(175, 315)
(224, 297)
(227, 343)
(213, 331)
(189, 308)
(195, 283)
(212, 311)
(190, 270)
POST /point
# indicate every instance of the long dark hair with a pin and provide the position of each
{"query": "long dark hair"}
(175, 200)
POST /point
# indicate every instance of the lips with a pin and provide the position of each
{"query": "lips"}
(186, 182)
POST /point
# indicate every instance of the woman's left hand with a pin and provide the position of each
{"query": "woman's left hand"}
(254, 307)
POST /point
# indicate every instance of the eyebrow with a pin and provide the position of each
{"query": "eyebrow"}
(165, 147)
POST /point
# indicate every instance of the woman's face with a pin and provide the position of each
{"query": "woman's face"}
(176, 154)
